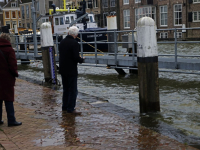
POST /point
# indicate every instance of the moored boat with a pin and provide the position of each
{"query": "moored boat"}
(62, 19)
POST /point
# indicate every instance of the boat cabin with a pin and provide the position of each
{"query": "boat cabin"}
(62, 22)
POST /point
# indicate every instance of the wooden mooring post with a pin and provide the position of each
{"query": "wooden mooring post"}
(147, 57)
(48, 55)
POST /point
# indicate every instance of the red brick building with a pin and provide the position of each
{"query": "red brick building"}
(166, 13)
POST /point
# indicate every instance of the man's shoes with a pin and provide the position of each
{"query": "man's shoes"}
(15, 124)
(1, 122)
(76, 112)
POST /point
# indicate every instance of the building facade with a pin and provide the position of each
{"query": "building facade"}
(2, 4)
(167, 14)
(41, 6)
(11, 14)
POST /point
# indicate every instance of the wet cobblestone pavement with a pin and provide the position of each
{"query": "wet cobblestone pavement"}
(46, 127)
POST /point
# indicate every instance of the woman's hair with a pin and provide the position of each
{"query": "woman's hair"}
(5, 36)
(73, 31)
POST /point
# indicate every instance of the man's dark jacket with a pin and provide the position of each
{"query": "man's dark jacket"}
(69, 56)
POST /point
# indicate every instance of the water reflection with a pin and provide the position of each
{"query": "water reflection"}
(147, 139)
(68, 124)
(179, 93)
(182, 49)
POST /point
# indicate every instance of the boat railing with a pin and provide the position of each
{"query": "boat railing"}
(114, 44)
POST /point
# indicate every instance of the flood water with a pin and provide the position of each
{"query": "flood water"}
(179, 93)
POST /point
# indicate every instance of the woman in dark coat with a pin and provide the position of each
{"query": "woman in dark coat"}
(8, 72)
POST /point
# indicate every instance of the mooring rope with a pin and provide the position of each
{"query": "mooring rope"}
(89, 44)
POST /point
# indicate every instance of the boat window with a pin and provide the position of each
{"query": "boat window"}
(91, 19)
(72, 18)
(43, 20)
(56, 21)
(67, 20)
(47, 20)
(61, 21)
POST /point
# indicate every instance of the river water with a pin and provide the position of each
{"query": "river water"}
(179, 93)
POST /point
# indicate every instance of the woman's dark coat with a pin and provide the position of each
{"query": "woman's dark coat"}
(69, 56)
(8, 71)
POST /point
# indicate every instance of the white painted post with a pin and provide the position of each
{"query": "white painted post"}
(112, 37)
(147, 57)
(48, 54)
(111, 26)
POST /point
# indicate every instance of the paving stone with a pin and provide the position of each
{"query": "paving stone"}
(45, 126)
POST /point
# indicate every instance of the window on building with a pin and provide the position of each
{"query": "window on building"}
(61, 21)
(126, 2)
(178, 35)
(50, 3)
(8, 23)
(19, 23)
(19, 15)
(86, 4)
(95, 3)
(105, 19)
(145, 11)
(22, 12)
(163, 35)
(78, 4)
(105, 3)
(163, 15)
(89, 4)
(28, 25)
(137, 1)
(177, 14)
(196, 16)
(13, 4)
(27, 11)
(37, 6)
(13, 14)
(7, 14)
(14, 23)
(126, 14)
(196, 1)
(112, 3)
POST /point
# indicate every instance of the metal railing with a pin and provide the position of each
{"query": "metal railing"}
(26, 40)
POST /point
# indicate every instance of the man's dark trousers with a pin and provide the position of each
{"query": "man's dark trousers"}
(69, 92)
(10, 111)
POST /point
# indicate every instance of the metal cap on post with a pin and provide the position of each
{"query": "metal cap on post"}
(48, 55)
(147, 57)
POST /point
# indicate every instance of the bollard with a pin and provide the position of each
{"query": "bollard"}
(112, 37)
(48, 54)
(111, 26)
(147, 58)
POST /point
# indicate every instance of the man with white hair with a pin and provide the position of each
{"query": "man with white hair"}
(68, 59)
